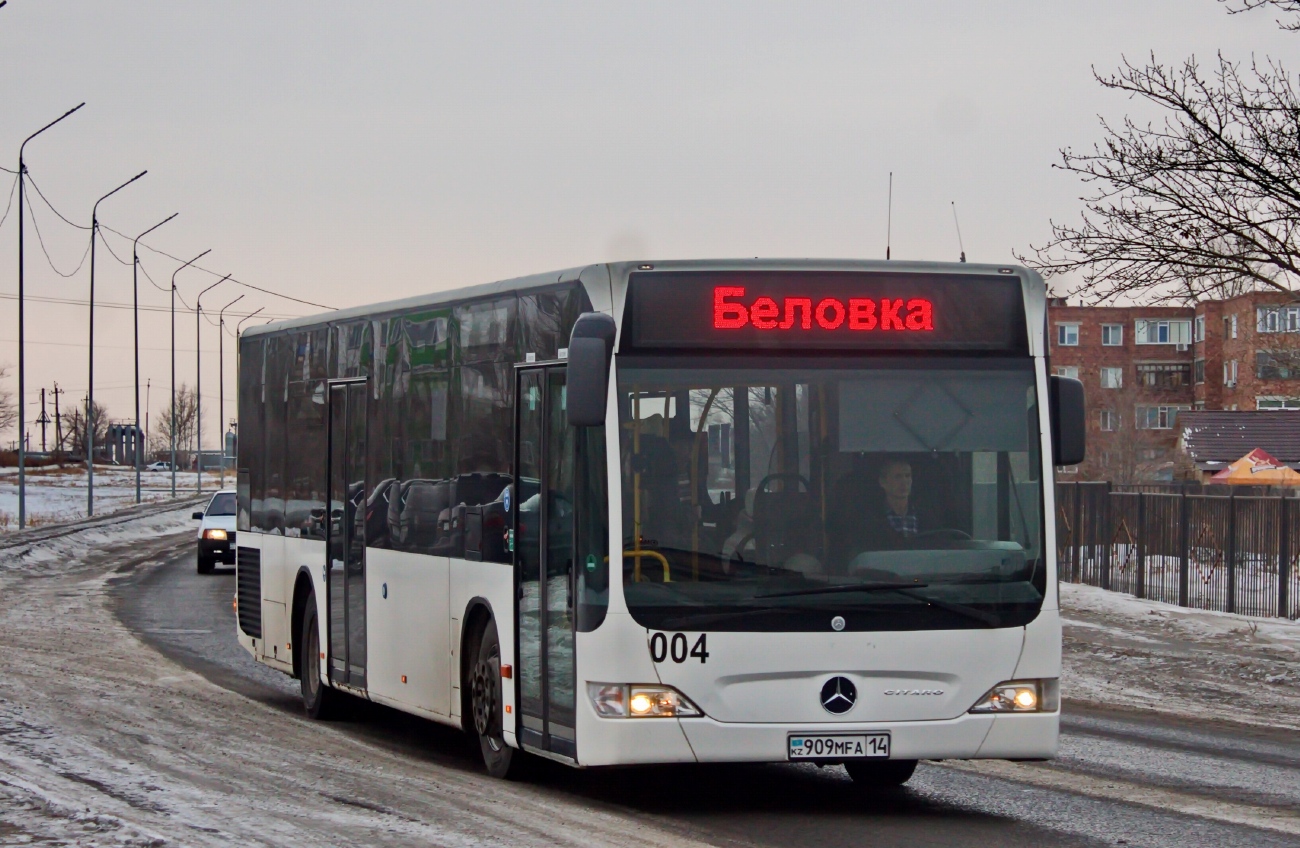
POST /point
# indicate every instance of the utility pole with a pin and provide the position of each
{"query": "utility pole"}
(173, 418)
(198, 385)
(58, 422)
(135, 312)
(221, 382)
(44, 421)
(22, 348)
(148, 384)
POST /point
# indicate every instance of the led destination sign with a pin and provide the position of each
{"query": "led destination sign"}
(841, 310)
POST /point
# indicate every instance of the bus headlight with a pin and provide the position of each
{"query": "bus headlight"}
(1021, 696)
(215, 535)
(621, 700)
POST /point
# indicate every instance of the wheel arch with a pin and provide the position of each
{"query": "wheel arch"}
(303, 588)
(478, 612)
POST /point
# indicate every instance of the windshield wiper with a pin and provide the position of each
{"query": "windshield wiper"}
(905, 589)
(846, 587)
(675, 623)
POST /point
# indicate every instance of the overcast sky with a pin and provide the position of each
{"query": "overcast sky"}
(347, 153)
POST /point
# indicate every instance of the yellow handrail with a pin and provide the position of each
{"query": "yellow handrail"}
(636, 569)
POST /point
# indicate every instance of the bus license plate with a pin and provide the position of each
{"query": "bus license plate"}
(839, 746)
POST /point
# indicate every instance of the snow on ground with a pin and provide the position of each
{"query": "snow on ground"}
(59, 494)
(1120, 651)
(65, 552)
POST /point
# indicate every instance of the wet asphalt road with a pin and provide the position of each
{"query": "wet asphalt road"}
(1127, 779)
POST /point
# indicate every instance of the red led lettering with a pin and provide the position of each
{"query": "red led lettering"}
(830, 313)
(889, 317)
(729, 316)
(920, 315)
(862, 314)
(763, 313)
(805, 305)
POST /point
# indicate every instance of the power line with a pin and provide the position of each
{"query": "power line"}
(40, 238)
(218, 274)
(110, 249)
(69, 301)
(10, 204)
(51, 205)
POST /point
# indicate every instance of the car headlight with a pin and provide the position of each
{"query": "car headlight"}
(215, 535)
(1021, 696)
(623, 700)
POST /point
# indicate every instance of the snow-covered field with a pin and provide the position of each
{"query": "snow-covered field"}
(59, 494)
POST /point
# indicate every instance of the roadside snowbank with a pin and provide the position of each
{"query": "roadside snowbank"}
(1120, 651)
(42, 555)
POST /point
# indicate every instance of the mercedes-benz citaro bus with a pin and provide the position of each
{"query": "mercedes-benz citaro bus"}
(670, 512)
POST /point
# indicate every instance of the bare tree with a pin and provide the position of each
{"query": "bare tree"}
(1290, 7)
(186, 415)
(8, 408)
(1204, 203)
(75, 424)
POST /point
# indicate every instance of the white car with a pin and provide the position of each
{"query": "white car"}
(216, 538)
(158, 466)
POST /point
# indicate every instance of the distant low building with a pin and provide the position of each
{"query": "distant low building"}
(1212, 440)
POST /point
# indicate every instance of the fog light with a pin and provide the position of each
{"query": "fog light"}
(618, 700)
(1021, 696)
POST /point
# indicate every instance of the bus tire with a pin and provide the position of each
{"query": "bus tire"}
(487, 710)
(880, 774)
(318, 699)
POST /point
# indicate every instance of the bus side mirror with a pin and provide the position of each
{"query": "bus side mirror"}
(1068, 420)
(591, 347)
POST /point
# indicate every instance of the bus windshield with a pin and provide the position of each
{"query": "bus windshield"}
(877, 494)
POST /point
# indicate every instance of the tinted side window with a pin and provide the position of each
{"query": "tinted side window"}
(251, 434)
(279, 355)
(304, 508)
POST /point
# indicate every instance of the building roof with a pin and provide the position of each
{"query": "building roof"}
(1213, 438)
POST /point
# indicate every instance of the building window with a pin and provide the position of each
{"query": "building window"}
(1067, 335)
(1112, 378)
(1162, 332)
(1149, 453)
(1112, 335)
(1277, 403)
(1230, 373)
(1071, 371)
(1198, 329)
(1198, 405)
(1277, 364)
(1277, 319)
(1198, 371)
(1164, 375)
(1107, 420)
(1230, 326)
(1156, 417)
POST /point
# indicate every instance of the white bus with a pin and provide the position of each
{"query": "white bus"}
(713, 511)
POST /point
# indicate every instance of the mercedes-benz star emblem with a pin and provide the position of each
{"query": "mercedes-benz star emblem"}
(839, 695)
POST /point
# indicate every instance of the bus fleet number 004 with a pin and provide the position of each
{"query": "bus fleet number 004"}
(663, 646)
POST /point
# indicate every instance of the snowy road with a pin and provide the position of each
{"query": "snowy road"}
(128, 715)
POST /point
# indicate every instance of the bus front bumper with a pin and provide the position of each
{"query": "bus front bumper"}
(970, 736)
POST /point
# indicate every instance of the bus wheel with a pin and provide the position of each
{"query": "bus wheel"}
(320, 701)
(880, 774)
(485, 701)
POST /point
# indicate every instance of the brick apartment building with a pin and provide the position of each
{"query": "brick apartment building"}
(1142, 365)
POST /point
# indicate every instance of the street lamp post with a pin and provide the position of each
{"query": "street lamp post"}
(90, 392)
(172, 425)
(221, 383)
(135, 309)
(198, 384)
(22, 352)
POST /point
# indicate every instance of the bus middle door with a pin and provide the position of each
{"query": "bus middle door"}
(346, 548)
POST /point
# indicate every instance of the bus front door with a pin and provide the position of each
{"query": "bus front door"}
(544, 546)
(346, 548)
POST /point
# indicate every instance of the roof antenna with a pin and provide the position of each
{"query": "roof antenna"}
(889, 217)
(958, 226)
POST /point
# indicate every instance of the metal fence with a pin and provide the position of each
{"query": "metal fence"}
(1192, 547)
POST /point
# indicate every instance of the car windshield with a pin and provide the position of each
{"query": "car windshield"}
(222, 504)
(893, 494)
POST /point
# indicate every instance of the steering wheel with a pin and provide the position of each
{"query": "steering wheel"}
(798, 478)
